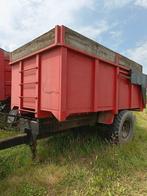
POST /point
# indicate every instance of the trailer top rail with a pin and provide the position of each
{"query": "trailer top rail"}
(74, 40)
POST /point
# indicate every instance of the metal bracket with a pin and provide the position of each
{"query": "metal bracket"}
(140, 79)
(32, 130)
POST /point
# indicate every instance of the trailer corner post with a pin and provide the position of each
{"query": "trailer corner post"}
(116, 84)
(59, 34)
(95, 73)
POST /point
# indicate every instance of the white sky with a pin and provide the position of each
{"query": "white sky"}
(119, 25)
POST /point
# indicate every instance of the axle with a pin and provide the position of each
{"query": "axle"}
(39, 129)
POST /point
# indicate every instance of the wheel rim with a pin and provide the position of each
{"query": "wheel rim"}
(126, 129)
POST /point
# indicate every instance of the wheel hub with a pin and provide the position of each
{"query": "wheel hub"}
(126, 129)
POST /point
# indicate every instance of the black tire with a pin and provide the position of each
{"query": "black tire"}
(123, 127)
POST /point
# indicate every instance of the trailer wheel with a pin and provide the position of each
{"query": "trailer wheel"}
(123, 127)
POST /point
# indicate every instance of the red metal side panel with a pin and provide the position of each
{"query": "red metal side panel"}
(105, 86)
(63, 82)
(79, 82)
(136, 96)
(124, 93)
(129, 95)
(5, 75)
(7, 79)
(15, 90)
(29, 69)
(1, 75)
(50, 81)
(90, 84)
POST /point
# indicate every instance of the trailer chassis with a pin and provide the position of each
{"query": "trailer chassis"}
(34, 129)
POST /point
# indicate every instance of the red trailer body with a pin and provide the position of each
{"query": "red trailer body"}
(5, 75)
(63, 80)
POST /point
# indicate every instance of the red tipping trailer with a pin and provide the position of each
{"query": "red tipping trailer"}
(5, 78)
(64, 80)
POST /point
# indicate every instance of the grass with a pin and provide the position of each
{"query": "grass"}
(78, 166)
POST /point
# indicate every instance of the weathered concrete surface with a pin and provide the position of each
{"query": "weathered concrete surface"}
(76, 41)
(129, 63)
(83, 43)
(33, 46)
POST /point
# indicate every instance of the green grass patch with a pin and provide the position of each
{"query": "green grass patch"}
(84, 165)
